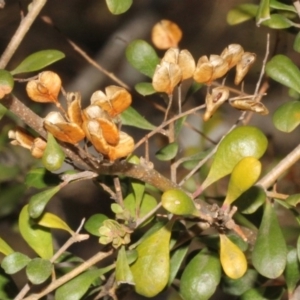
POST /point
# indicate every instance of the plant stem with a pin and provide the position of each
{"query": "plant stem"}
(36, 7)
(270, 178)
(75, 272)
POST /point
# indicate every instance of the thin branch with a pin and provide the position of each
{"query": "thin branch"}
(36, 7)
(75, 272)
(269, 179)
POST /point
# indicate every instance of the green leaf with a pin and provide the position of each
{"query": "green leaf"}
(14, 262)
(123, 272)
(118, 7)
(251, 200)
(38, 61)
(239, 143)
(78, 286)
(293, 200)
(38, 270)
(176, 261)
(233, 260)
(37, 237)
(93, 224)
(148, 203)
(41, 178)
(168, 152)
(178, 125)
(138, 188)
(292, 270)
(151, 269)
(287, 117)
(298, 247)
(269, 260)
(239, 286)
(281, 69)
(6, 83)
(131, 117)
(296, 45)
(142, 57)
(263, 293)
(5, 248)
(3, 111)
(263, 13)
(200, 277)
(281, 6)
(8, 289)
(178, 202)
(243, 176)
(278, 21)
(145, 88)
(53, 156)
(52, 221)
(242, 13)
(38, 201)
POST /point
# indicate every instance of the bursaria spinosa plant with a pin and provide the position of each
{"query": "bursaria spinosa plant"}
(206, 226)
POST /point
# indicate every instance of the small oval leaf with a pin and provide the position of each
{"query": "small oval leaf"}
(93, 224)
(268, 260)
(142, 57)
(38, 270)
(37, 237)
(292, 270)
(178, 202)
(38, 61)
(145, 88)
(239, 143)
(151, 269)
(243, 176)
(6, 83)
(242, 13)
(53, 156)
(14, 262)
(287, 117)
(41, 178)
(200, 277)
(233, 260)
(281, 69)
(38, 202)
(131, 117)
(118, 7)
(278, 21)
(168, 152)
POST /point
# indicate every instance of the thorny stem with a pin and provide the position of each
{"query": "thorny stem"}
(75, 272)
(36, 7)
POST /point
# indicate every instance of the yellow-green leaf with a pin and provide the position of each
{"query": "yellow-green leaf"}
(178, 202)
(151, 269)
(118, 7)
(243, 176)
(123, 272)
(270, 251)
(242, 13)
(53, 156)
(263, 13)
(200, 277)
(239, 143)
(37, 237)
(233, 260)
(52, 221)
(5, 248)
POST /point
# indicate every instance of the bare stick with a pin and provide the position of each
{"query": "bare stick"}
(24, 26)
(270, 178)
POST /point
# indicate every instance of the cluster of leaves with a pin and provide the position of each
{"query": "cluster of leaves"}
(152, 251)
